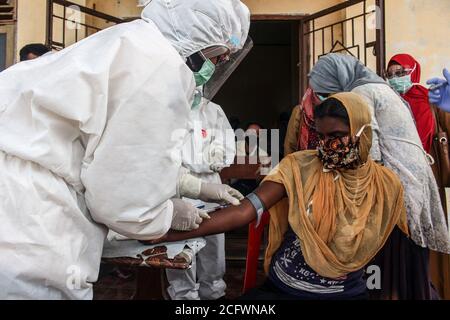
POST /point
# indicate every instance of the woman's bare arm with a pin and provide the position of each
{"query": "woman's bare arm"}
(230, 218)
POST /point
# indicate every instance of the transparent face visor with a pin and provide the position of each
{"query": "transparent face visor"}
(225, 69)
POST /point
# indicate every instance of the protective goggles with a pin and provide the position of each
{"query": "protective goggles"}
(398, 73)
(220, 54)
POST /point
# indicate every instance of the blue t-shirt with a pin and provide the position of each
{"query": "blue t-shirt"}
(290, 273)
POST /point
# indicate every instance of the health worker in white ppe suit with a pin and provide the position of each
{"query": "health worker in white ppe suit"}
(87, 143)
(209, 148)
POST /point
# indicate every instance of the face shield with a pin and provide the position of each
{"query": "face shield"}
(224, 70)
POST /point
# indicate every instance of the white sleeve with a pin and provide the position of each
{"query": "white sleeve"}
(133, 170)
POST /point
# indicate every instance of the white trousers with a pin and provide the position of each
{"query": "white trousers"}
(204, 281)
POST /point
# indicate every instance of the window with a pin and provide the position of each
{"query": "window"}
(7, 12)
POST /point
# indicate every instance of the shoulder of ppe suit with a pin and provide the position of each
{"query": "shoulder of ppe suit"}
(149, 39)
(153, 48)
(213, 106)
(216, 115)
(124, 47)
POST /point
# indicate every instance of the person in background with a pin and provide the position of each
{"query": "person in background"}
(282, 125)
(440, 97)
(249, 146)
(210, 148)
(32, 51)
(253, 133)
(235, 122)
(301, 133)
(403, 74)
(330, 211)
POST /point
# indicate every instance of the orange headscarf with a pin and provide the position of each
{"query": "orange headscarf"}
(342, 218)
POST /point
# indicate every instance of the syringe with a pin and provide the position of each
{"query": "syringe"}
(437, 86)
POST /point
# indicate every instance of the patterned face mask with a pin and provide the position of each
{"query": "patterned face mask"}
(341, 152)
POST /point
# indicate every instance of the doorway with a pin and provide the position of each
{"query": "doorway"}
(265, 87)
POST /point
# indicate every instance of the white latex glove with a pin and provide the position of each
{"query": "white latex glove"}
(186, 217)
(220, 193)
(189, 186)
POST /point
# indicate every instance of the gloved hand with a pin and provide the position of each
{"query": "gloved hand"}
(217, 167)
(186, 217)
(441, 96)
(220, 193)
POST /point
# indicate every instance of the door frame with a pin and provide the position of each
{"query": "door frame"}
(10, 31)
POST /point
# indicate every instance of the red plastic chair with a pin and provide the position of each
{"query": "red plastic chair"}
(253, 247)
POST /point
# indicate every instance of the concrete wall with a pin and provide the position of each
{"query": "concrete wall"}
(31, 22)
(422, 29)
(121, 9)
(288, 6)
(419, 27)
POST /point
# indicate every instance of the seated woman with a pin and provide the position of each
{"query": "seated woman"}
(404, 262)
(331, 210)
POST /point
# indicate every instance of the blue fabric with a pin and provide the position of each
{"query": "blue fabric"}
(290, 273)
(337, 72)
(441, 96)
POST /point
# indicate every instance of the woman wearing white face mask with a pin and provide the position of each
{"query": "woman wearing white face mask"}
(403, 75)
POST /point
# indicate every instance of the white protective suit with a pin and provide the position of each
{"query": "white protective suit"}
(93, 127)
(210, 145)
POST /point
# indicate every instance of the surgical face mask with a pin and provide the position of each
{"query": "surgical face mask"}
(401, 84)
(340, 153)
(205, 73)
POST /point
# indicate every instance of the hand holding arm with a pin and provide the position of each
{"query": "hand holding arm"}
(231, 218)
